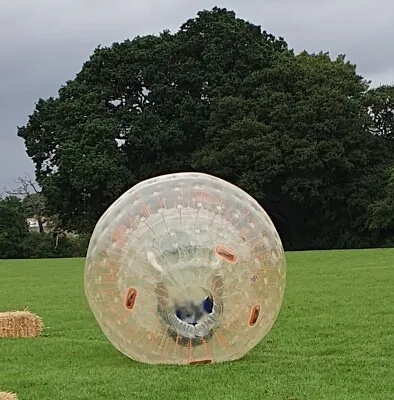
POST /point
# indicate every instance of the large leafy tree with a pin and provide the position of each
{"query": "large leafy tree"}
(224, 97)
(137, 109)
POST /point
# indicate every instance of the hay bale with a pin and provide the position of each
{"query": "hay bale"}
(8, 396)
(20, 324)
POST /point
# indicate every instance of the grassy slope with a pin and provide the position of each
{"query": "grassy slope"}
(334, 339)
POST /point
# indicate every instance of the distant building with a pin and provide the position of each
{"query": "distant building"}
(33, 225)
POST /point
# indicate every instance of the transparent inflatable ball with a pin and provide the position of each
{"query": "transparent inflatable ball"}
(185, 269)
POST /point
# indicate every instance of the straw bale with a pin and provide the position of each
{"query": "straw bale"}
(8, 396)
(20, 324)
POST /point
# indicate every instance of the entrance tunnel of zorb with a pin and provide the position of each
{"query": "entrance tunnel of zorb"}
(185, 269)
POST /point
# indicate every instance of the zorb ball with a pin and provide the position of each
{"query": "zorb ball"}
(185, 269)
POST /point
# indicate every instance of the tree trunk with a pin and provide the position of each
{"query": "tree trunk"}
(40, 225)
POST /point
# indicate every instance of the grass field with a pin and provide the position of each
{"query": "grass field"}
(334, 339)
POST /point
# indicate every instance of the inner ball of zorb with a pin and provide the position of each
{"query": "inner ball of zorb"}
(185, 269)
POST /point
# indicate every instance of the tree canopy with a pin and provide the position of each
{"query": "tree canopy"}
(220, 95)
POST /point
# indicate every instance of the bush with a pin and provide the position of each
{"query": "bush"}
(72, 246)
(13, 228)
(38, 245)
(46, 245)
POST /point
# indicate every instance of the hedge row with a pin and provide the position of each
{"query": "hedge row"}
(41, 245)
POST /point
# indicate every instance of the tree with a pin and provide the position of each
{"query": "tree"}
(13, 228)
(138, 109)
(297, 141)
(380, 212)
(380, 103)
(32, 199)
(219, 96)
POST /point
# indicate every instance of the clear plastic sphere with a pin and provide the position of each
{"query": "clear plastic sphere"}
(185, 269)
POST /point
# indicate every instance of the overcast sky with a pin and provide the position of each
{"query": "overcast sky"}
(43, 43)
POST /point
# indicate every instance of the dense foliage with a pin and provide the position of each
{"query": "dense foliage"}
(13, 227)
(302, 133)
(17, 242)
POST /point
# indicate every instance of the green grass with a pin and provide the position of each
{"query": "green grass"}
(334, 339)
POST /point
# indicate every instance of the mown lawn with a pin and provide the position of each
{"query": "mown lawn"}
(334, 339)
